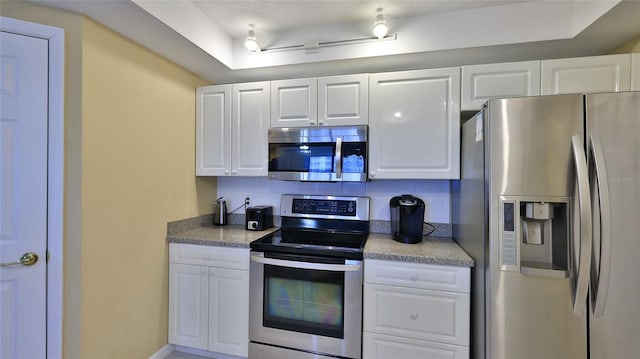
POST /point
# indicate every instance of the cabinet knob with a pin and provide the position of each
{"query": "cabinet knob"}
(372, 174)
(312, 123)
(414, 277)
(413, 316)
(226, 172)
(320, 123)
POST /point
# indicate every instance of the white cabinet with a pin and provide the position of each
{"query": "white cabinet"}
(232, 122)
(415, 310)
(324, 101)
(208, 298)
(513, 79)
(610, 73)
(343, 100)
(294, 103)
(414, 124)
(635, 71)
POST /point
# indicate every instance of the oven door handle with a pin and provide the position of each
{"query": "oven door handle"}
(349, 266)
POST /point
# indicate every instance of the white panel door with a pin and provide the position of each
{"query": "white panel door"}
(414, 123)
(23, 191)
(229, 311)
(610, 73)
(294, 103)
(343, 100)
(513, 79)
(188, 305)
(213, 130)
(250, 127)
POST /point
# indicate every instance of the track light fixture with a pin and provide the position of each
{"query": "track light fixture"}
(380, 27)
(250, 41)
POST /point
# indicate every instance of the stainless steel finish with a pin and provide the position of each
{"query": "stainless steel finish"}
(601, 259)
(521, 149)
(329, 134)
(261, 351)
(349, 266)
(581, 265)
(27, 259)
(349, 347)
(615, 119)
(338, 158)
(362, 207)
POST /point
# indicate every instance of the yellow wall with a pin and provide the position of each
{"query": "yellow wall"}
(129, 169)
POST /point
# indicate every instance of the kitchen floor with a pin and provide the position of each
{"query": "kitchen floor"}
(182, 355)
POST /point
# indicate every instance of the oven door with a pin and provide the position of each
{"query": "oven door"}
(306, 303)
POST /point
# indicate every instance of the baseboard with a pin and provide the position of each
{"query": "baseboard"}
(205, 353)
(163, 352)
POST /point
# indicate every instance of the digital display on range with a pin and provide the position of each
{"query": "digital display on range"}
(322, 206)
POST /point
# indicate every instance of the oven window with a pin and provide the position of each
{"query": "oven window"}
(301, 157)
(304, 300)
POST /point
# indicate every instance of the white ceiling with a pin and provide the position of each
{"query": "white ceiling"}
(206, 36)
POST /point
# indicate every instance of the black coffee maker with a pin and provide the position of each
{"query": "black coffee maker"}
(407, 217)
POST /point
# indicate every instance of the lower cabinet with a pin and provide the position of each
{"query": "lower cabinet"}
(208, 298)
(415, 310)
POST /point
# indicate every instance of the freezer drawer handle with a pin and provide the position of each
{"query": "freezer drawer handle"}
(581, 283)
(600, 271)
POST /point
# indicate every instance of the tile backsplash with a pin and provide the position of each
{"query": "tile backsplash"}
(264, 191)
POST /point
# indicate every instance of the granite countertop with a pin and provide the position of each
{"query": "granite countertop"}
(432, 250)
(231, 235)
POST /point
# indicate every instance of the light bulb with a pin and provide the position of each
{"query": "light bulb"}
(251, 43)
(380, 27)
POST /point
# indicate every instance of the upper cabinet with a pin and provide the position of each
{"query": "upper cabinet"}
(232, 122)
(611, 73)
(324, 101)
(343, 100)
(483, 82)
(294, 103)
(414, 124)
(635, 71)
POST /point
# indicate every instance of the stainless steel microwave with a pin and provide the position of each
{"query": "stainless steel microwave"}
(322, 154)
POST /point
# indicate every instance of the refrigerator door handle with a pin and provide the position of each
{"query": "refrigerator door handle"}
(581, 283)
(600, 271)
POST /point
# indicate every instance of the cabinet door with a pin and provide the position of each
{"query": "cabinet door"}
(188, 305)
(294, 103)
(250, 129)
(343, 100)
(417, 313)
(611, 73)
(229, 311)
(414, 123)
(483, 82)
(377, 346)
(213, 130)
(635, 72)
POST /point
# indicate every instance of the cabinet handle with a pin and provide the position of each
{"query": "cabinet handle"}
(312, 123)
(320, 123)
(414, 277)
(413, 316)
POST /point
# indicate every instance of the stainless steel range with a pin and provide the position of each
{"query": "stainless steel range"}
(306, 280)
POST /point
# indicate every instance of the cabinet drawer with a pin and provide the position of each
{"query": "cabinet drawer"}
(416, 275)
(211, 256)
(417, 313)
(377, 346)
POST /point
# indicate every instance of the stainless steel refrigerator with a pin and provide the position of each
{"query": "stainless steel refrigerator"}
(548, 206)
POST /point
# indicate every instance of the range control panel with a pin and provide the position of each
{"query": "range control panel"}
(320, 206)
(332, 207)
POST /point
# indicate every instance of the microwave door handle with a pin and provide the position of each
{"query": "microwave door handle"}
(339, 157)
(306, 265)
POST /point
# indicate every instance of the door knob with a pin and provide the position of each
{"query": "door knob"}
(27, 259)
